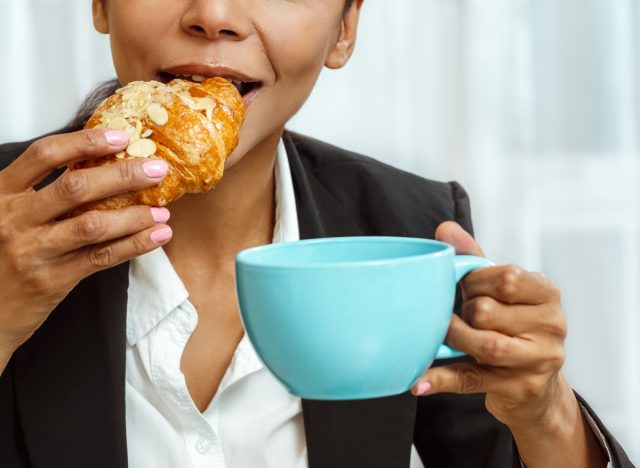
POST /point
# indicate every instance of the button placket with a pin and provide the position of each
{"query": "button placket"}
(203, 444)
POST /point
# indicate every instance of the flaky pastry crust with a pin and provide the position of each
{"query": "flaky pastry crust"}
(193, 126)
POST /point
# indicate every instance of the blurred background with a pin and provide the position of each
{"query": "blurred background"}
(531, 104)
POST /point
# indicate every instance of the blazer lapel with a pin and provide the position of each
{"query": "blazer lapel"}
(82, 344)
(374, 432)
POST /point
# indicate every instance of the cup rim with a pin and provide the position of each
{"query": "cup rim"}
(245, 257)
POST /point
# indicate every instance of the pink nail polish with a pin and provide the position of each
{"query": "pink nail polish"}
(160, 215)
(155, 169)
(160, 235)
(116, 137)
(423, 387)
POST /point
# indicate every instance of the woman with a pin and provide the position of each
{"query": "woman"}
(116, 352)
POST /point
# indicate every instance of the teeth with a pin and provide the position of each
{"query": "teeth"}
(201, 78)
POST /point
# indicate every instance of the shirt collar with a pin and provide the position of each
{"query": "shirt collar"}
(155, 289)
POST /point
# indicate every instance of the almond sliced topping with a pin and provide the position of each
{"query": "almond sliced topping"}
(147, 133)
(141, 148)
(120, 155)
(118, 123)
(158, 114)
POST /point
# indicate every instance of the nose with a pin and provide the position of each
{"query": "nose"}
(215, 19)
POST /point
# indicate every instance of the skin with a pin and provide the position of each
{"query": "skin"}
(283, 44)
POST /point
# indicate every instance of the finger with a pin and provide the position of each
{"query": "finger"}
(491, 347)
(462, 378)
(452, 233)
(98, 257)
(50, 153)
(510, 284)
(485, 313)
(75, 188)
(95, 227)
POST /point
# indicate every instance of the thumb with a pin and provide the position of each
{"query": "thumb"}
(463, 377)
(452, 233)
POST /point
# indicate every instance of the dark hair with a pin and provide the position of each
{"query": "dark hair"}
(91, 102)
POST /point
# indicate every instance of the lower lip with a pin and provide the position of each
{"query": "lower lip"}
(250, 96)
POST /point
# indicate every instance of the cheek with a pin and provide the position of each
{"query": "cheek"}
(136, 32)
(297, 55)
(301, 51)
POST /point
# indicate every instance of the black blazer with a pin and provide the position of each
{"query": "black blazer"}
(62, 395)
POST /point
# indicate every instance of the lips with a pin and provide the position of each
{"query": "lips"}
(246, 85)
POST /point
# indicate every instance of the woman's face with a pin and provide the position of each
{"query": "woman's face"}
(278, 47)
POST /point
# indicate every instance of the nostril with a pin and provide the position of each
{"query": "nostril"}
(198, 29)
(202, 31)
(228, 32)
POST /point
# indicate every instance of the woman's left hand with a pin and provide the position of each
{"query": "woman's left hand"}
(513, 325)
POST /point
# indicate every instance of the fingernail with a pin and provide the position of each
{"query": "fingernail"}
(160, 215)
(116, 137)
(160, 235)
(156, 168)
(423, 387)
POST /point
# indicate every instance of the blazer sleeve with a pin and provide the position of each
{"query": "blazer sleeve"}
(462, 207)
(617, 455)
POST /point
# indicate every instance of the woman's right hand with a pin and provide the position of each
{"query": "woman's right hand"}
(42, 256)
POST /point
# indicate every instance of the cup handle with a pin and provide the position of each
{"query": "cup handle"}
(463, 264)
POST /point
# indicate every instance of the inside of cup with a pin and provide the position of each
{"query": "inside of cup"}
(346, 250)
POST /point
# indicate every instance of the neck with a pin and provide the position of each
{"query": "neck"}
(238, 213)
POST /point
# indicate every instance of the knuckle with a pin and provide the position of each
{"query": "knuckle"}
(42, 151)
(127, 170)
(470, 380)
(72, 186)
(89, 139)
(556, 359)
(139, 245)
(495, 349)
(142, 217)
(484, 315)
(509, 281)
(558, 327)
(101, 257)
(39, 281)
(90, 227)
(532, 387)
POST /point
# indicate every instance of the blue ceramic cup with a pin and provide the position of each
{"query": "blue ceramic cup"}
(353, 317)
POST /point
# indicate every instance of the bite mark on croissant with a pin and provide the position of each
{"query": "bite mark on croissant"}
(193, 126)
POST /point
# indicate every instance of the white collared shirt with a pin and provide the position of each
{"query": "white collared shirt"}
(252, 421)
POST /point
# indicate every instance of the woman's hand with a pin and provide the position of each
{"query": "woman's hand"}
(514, 327)
(43, 258)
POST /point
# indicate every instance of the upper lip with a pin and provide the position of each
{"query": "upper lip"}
(208, 71)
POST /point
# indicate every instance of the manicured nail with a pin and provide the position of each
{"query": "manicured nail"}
(160, 215)
(423, 387)
(160, 235)
(116, 137)
(156, 168)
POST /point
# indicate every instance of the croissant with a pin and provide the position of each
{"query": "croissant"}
(193, 126)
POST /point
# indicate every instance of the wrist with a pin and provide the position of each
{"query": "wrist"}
(553, 419)
(558, 435)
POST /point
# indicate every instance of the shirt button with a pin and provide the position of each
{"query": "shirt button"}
(203, 445)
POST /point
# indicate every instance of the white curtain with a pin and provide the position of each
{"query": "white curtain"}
(531, 104)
